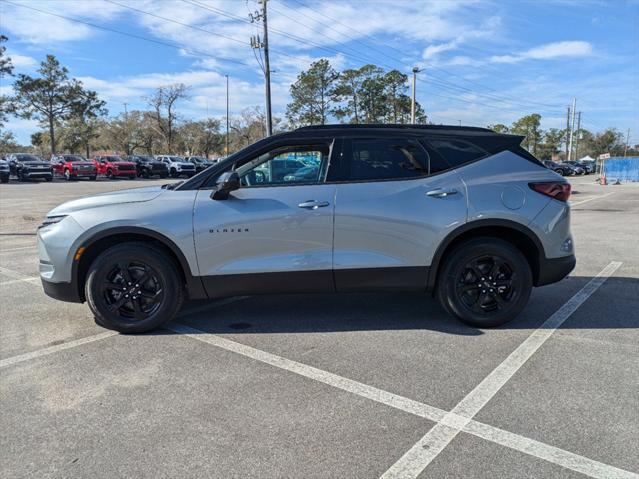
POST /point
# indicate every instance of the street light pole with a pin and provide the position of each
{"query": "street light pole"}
(226, 151)
(412, 105)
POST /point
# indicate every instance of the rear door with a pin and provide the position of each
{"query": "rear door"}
(396, 200)
(271, 235)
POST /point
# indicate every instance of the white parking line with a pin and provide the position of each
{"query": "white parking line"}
(9, 250)
(452, 421)
(17, 276)
(54, 349)
(411, 464)
(593, 198)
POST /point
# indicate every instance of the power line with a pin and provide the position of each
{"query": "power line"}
(132, 35)
(431, 66)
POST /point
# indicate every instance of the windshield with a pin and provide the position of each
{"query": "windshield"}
(113, 159)
(176, 158)
(28, 158)
(73, 158)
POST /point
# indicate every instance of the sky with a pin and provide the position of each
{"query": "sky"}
(482, 61)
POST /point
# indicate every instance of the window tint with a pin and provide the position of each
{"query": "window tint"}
(285, 166)
(457, 152)
(387, 159)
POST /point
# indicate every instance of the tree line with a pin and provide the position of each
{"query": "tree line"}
(554, 142)
(74, 119)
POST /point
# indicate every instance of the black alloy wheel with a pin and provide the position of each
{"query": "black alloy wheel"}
(485, 282)
(133, 288)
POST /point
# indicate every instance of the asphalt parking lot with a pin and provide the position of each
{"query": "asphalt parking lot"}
(355, 386)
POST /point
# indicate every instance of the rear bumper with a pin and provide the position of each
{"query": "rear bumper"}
(552, 270)
(62, 291)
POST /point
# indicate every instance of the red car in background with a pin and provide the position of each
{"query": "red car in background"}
(73, 167)
(114, 167)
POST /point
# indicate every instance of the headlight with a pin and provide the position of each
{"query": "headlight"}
(51, 220)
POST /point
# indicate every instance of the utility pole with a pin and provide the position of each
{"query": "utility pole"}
(226, 150)
(256, 43)
(126, 122)
(578, 135)
(572, 128)
(625, 151)
(567, 129)
(412, 105)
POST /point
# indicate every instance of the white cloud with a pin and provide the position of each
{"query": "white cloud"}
(42, 29)
(22, 62)
(548, 51)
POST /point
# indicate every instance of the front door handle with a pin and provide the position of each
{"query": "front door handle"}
(441, 192)
(313, 205)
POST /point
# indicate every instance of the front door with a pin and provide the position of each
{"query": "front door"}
(394, 205)
(275, 233)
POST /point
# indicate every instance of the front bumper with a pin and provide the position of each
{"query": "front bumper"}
(552, 270)
(37, 174)
(62, 291)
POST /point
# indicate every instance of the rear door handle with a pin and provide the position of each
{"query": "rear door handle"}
(441, 192)
(313, 205)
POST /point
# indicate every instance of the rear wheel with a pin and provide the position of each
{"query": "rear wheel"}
(145, 174)
(133, 288)
(485, 282)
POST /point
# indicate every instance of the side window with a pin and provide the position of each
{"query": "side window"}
(285, 166)
(386, 159)
(457, 152)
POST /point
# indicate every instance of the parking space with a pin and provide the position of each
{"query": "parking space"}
(358, 385)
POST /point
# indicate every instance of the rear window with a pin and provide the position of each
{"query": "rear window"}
(457, 152)
(386, 159)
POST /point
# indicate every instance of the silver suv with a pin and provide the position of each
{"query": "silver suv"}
(463, 213)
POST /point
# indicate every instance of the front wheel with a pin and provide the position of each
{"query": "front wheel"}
(485, 282)
(133, 288)
(110, 175)
(67, 175)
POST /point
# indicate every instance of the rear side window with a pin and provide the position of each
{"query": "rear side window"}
(457, 152)
(386, 159)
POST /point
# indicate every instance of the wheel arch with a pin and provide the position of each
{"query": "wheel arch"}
(102, 240)
(515, 233)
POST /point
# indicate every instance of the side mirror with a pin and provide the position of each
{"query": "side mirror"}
(227, 182)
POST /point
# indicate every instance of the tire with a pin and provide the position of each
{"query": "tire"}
(109, 175)
(559, 171)
(174, 173)
(145, 174)
(118, 268)
(49, 179)
(465, 290)
(93, 177)
(22, 177)
(67, 175)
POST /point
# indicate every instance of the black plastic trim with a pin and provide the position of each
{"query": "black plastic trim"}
(409, 278)
(552, 270)
(437, 258)
(225, 285)
(62, 291)
(194, 286)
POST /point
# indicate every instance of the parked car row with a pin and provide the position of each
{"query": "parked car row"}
(571, 168)
(26, 166)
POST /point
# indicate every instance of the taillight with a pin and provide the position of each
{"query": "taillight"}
(557, 190)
